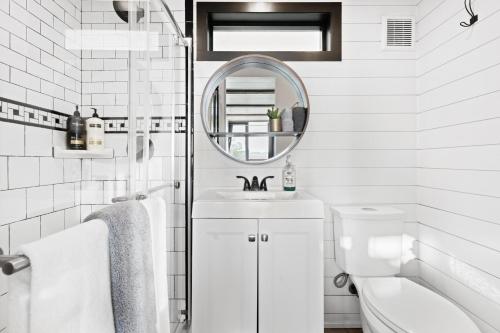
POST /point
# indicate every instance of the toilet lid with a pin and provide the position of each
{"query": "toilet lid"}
(406, 306)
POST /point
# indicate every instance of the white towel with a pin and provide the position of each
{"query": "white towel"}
(157, 212)
(67, 287)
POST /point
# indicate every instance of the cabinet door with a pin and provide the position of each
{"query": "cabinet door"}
(224, 276)
(291, 276)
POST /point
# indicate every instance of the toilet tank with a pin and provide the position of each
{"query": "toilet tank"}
(368, 239)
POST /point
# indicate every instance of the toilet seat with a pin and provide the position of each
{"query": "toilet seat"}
(406, 307)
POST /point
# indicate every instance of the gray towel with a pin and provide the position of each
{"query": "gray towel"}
(131, 262)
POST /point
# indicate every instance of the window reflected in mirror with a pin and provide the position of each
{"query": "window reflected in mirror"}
(238, 117)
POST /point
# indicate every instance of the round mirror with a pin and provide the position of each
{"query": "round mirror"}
(255, 109)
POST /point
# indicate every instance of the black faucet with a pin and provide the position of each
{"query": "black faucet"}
(263, 183)
(246, 185)
(255, 183)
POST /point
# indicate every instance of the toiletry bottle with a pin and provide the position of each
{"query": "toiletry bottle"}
(95, 132)
(289, 175)
(299, 118)
(75, 131)
(287, 120)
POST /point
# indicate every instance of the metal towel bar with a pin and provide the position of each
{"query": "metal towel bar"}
(144, 195)
(13, 264)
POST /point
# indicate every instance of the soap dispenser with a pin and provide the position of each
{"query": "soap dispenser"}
(289, 175)
(75, 135)
(95, 132)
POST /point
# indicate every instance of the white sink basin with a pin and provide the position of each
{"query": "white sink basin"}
(257, 195)
(238, 204)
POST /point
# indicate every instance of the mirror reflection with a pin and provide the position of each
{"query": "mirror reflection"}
(255, 114)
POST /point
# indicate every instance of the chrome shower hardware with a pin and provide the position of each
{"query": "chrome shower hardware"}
(13, 264)
(122, 9)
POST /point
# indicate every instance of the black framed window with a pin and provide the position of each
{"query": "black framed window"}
(293, 31)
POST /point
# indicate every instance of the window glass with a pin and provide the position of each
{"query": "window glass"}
(267, 40)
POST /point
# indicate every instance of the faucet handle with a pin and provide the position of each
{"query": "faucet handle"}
(263, 183)
(255, 184)
(246, 185)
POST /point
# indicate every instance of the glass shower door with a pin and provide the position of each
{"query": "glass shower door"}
(157, 139)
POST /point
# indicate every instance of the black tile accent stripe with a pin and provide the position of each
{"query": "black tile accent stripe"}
(31, 115)
(157, 124)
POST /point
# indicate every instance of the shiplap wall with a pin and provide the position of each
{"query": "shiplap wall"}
(458, 78)
(360, 143)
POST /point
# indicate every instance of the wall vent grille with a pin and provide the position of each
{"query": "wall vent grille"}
(398, 33)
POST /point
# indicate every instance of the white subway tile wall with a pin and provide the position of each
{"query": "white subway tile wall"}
(40, 195)
(11, 138)
(38, 141)
(51, 171)
(36, 197)
(459, 156)
(24, 172)
(52, 223)
(360, 142)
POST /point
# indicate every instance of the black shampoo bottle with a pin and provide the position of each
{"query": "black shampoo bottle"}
(76, 131)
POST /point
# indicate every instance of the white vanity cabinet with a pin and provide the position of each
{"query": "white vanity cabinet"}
(257, 274)
(290, 266)
(224, 276)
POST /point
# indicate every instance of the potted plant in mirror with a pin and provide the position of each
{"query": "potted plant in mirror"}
(274, 115)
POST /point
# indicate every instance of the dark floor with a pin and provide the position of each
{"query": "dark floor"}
(343, 330)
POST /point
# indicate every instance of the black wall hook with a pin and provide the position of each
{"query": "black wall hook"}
(473, 16)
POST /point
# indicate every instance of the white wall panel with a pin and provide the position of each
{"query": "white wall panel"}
(478, 259)
(476, 206)
(484, 107)
(458, 45)
(360, 143)
(467, 228)
(458, 156)
(467, 181)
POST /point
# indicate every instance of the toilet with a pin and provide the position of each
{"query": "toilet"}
(368, 246)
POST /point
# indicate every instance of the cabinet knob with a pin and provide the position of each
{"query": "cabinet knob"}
(264, 237)
(252, 238)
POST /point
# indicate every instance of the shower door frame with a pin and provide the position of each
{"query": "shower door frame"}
(186, 41)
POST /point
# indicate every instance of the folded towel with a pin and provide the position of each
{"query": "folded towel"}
(131, 262)
(67, 287)
(157, 212)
